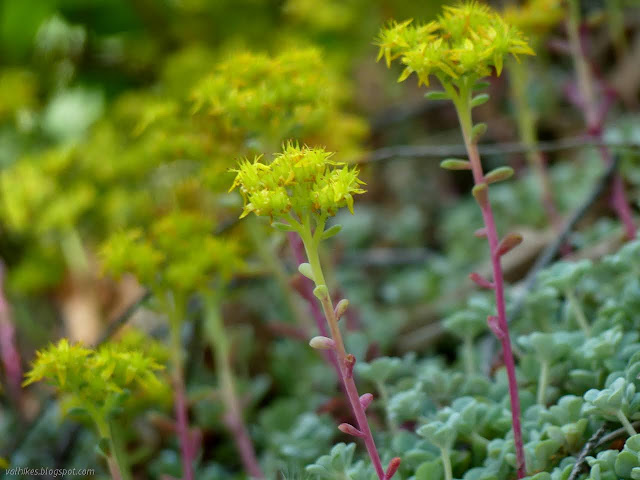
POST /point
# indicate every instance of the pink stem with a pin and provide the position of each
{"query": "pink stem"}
(238, 429)
(8, 350)
(346, 374)
(595, 114)
(498, 280)
(182, 424)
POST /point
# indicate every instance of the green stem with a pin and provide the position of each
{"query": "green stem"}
(384, 396)
(113, 462)
(625, 423)
(446, 463)
(233, 408)
(467, 351)
(268, 257)
(576, 308)
(543, 381)
(526, 121)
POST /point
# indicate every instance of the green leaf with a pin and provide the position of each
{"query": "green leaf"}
(321, 292)
(437, 95)
(283, 227)
(478, 130)
(479, 100)
(626, 462)
(455, 164)
(103, 447)
(499, 174)
(305, 269)
(330, 232)
(429, 470)
(480, 85)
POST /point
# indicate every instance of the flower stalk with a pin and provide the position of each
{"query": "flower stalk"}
(311, 242)
(233, 419)
(301, 188)
(462, 101)
(180, 403)
(594, 116)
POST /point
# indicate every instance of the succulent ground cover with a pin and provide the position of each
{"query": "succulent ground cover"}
(235, 246)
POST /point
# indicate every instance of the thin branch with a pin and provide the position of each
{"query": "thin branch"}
(611, 436)
(591, 445)
(506, 148)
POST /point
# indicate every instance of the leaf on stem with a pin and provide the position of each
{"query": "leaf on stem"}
(494, 326)
(508, 243)
(455, 164)
(365, 400)
(477, 131)
(350, 430)
(480, 233)
(305, 269)
(479, 100)
(321, 292)
(330, 232)
(283, 227)
(481, 194)
(498, 175)
(437, 95)
(394, 464)
(322, 343)
(341, 308)
(480, 280)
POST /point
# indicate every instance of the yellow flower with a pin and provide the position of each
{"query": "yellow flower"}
(462, 46)
(300, 180)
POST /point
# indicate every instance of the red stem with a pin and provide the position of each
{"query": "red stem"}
(9, 351)
(498, 280)
(182, 423)
(346, 369)
(595, 114)
(238, 429)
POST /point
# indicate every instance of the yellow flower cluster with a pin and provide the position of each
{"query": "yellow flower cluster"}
(282, 94)
(97, 381)
(300, 180)
(462, 45)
